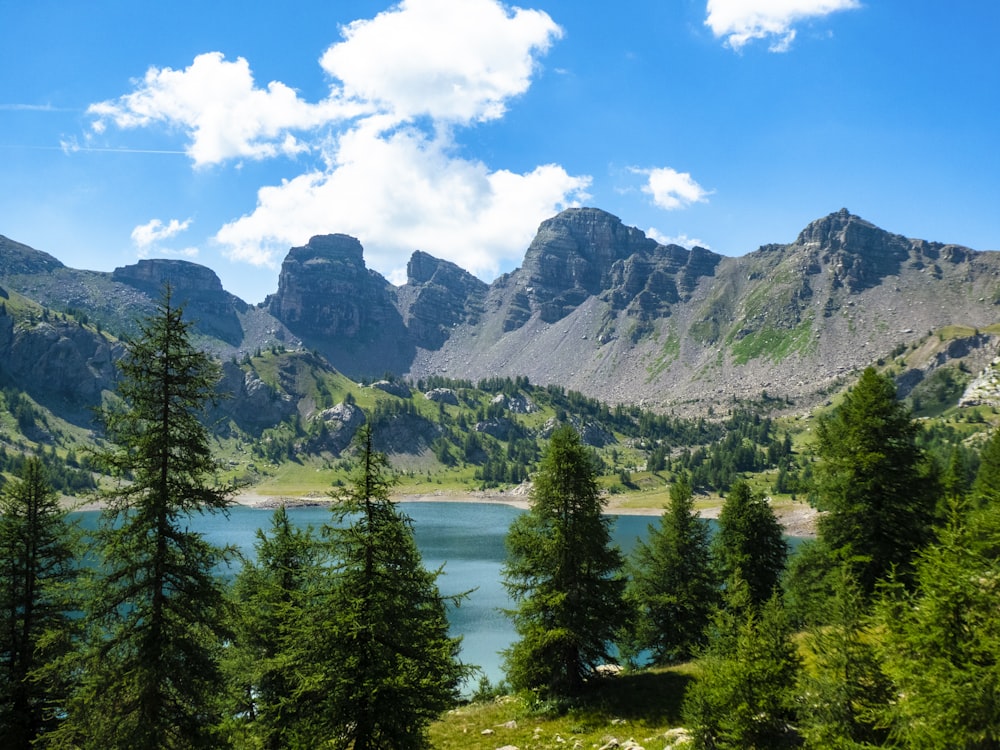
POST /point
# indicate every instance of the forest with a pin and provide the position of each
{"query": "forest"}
(880, 632)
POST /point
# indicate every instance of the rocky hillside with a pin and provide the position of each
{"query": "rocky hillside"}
(596, 306)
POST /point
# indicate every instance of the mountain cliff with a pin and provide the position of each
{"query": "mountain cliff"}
(596, 306)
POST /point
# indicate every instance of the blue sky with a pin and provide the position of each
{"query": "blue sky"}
(227, 132)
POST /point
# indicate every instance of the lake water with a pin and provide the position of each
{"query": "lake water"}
(466, 538)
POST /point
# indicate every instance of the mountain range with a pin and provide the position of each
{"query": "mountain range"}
(596, 306)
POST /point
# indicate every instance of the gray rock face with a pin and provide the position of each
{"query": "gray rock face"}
(58, 363)
(17, 259)
(442, 396)
(340, 423)
(393, 389)
(254, 405)
(438, 295)
(196, 287)
(328, 298)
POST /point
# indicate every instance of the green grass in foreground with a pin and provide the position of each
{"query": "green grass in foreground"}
(642, 706)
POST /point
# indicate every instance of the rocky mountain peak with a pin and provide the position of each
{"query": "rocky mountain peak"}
(859, 253)
(150, 275)
(437, 296)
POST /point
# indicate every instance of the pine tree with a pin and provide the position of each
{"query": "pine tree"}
(750, 543)
(275, 596)
(150, 669)
(672, 587)
(385, 664)
(38, 549)
(563, 573)
(743, 696)
(880, 505)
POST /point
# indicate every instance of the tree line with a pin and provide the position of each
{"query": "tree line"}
(339, 636)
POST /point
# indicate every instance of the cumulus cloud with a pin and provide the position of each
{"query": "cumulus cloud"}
(740, 22)
(670, 189)
(384, 147)
(154, 231)
(405, 192)
(219, 107)
(454, 60)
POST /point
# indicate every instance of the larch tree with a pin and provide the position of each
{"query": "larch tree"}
(750, 543)
(275, 596)
(744, 694)
(941, 639)
(563, 574)
(38, 550)
(880, 503)
(384, 664)
(672, 587)
(150, 670)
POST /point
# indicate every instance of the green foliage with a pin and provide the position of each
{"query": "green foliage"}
(563, 574)
(744, 696)
(986, 487)
(274, 596)
(38, 550)
(750, 543)
(844, 691)
(380, 663)
(871, 479)
(672, 587)
(154, 619)
(942, 639)
(775, 344)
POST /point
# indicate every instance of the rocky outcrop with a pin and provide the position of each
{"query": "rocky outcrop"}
(438, 296)
(442, 396)
(334, 303)
(59, 363)
(250, 402)
(399, 390)
(196, 287)
(339, 425)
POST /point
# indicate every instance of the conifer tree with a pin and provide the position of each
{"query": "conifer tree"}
(672, 587)
(844, 690)
(563, 573)
(880, 505)
(744, 694)
(275, 597)
(385, 665)
(150, 673)
(941, 640)
(38, 550)
(986, 486)
(750, 543)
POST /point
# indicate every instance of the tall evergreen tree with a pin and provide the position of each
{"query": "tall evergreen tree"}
(844, 690)
(672, 587)
(880, 505)
(150, 668)
(986, 486)
(750, 543)
(38, 550)
(385, 665)
(563, 573)
(941, 640)
(744, 693)
(275, 596)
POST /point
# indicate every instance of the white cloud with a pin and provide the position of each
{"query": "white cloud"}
(671, 189)
(679, 239)
(453, 60)
(741, 21)
(155, 231)
(402, 193)
(221, 110)
(384, 145)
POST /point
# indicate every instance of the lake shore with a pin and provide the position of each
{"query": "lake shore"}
(798, 519)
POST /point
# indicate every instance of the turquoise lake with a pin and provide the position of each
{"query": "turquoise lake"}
(466, 538)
